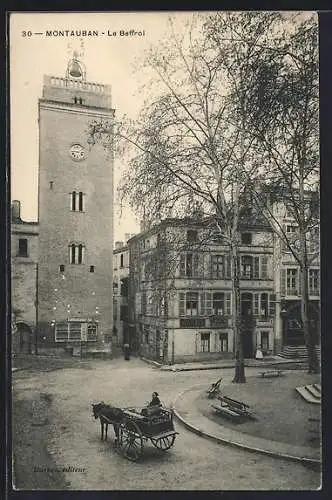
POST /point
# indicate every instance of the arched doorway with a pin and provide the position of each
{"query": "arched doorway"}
(292, 324)
(24, 333)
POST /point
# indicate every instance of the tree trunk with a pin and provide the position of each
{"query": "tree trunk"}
(239, 376)
(313, 364)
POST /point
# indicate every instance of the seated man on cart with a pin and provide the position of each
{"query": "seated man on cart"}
(154, 407)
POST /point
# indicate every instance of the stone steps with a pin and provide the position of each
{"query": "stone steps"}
(297, 352)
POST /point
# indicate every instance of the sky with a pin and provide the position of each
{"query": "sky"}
(108, 60)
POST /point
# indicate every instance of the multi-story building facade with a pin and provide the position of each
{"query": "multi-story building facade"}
(75, 214)
(24, 271)
(180, 291)
(288, 290)
(120, 292)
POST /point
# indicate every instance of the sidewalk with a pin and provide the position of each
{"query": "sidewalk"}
(272, 361)
(185, 410)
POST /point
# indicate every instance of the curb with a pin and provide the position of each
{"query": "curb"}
(202, 433)
(222, 367)
(151, 362)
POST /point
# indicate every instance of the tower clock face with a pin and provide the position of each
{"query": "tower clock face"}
(77, 152)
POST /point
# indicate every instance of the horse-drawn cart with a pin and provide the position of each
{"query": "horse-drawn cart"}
(134, 427)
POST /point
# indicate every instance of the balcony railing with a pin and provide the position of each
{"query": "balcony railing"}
(192, 322)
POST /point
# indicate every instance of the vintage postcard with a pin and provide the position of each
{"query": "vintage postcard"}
(165, 251)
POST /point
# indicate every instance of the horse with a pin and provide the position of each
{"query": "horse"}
(107, 414)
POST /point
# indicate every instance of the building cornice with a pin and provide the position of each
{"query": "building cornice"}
(71, 108)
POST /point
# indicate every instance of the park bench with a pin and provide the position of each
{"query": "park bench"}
(271, 373)
(214, 389)
(232, 408)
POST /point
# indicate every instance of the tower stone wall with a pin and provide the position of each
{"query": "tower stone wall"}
(70, 291)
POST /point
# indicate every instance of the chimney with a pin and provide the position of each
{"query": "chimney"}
(118, 244)
(16, 210)
(127, 237)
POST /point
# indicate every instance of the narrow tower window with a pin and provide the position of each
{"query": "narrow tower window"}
(72, 254)
(73, 200)
(77, 201)
(80, 201)
(92, 269)
(80, 254)
(23, 247)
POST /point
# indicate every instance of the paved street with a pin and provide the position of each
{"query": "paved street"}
(72, 436)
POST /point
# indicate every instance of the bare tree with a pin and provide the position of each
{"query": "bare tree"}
(284, 119)
(191, 142)
(194, 139)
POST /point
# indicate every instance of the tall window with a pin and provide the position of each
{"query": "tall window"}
(77, 201)
(249, 267)
(291, 235)
(264, 304)
(254, 267)
(23, 247)
(264, 309)
(205, 342)
(92, 332)
(189, 266)
(223, 342)
(218, 266)
(218, 303)
(76, 254)
(292, 281)
(121, 260)
(192, 304)
(313, 282)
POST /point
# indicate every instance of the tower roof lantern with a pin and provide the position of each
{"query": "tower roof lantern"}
(76, 69)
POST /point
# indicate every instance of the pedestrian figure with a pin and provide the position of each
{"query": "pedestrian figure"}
(126, 352)
(259, 354)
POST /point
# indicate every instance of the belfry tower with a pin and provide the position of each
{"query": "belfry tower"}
(75, 214)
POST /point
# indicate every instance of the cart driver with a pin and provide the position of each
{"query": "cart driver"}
(154, 407)
(155, 401)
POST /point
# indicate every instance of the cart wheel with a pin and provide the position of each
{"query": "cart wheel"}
(164, 443)
(130, 440)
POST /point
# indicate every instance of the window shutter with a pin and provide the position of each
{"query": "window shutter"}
(283, 281)
(228, 264)
(208, 303)
(272, 304)
(202, 304)
(182, 264)
(256, 267)
(264, 272)
(228, 307)
(196, 265)
(208, 271)
(181, 304)
(298, 282)
(256, 304)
